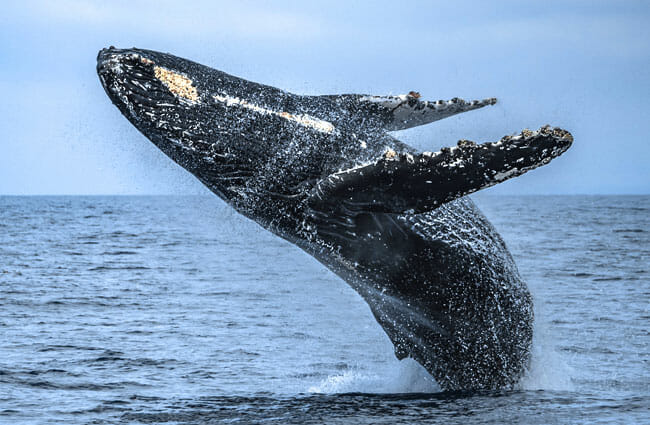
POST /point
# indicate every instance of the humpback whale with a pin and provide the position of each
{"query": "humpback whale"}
(324, 173)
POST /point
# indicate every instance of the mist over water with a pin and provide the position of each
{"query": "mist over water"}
(175, 309)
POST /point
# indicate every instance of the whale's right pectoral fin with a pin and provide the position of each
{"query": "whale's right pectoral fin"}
(405, 183)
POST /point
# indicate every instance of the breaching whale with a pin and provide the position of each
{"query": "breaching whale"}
(323, 173)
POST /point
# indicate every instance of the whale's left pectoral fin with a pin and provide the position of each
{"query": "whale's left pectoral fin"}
(400, 112)
(404, 183)
(407, 111)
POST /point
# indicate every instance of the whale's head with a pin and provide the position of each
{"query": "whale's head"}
(156, 92)
(159, 95)
(202, 118)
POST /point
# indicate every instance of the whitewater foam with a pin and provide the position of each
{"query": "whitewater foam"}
(406, 376)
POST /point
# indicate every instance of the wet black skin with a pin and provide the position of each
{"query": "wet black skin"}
(436, 275)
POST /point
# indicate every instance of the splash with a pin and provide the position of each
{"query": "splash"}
(394, 377)
(549, 370)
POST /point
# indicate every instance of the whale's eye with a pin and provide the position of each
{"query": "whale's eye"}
(178, 84)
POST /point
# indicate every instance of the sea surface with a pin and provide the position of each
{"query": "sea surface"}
(177, 310)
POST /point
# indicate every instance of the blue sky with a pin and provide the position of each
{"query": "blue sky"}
(581, 65)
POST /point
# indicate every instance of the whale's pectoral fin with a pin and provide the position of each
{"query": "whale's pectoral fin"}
(408, 110)
(401, 112)
(405, 183)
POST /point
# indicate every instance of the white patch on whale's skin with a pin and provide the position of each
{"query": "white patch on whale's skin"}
(304, 119)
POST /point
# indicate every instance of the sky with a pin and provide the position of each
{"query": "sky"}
(580, 65)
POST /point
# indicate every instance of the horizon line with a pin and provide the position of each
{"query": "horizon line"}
(210, 195)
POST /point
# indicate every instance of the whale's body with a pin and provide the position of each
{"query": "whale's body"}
(321, 172)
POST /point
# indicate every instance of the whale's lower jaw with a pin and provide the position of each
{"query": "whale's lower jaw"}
(321, 172)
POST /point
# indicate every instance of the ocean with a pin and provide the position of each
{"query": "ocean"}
(177, 310)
